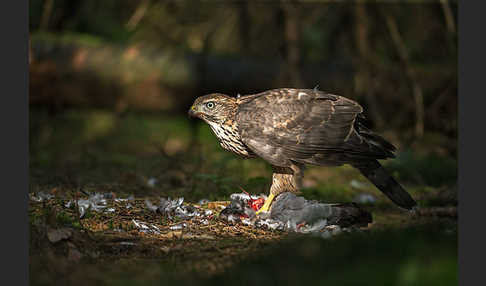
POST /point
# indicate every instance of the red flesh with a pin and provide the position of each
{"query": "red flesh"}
(252, 203)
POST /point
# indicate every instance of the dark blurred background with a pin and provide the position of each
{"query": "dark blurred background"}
(93, 64)
(117, 77)
(397, 60)
(111, 82)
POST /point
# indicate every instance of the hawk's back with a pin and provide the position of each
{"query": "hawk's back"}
(306, 126)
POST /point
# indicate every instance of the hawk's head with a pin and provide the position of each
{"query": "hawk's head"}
(213, 108)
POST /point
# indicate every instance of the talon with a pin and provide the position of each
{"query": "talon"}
(267, 204)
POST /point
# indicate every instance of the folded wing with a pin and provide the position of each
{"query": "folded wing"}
(307, 126)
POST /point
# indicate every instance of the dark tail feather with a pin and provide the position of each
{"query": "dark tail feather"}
(385, 183)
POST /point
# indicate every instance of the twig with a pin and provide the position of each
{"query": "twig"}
(446, 8)
(138, 15)
(438, 212)
(46, 14)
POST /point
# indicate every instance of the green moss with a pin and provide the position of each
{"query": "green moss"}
(76, 224)
(63, 218)
(430, 170)
(78, 39)
(329, 192)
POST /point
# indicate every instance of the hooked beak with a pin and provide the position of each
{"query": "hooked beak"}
(193, 112)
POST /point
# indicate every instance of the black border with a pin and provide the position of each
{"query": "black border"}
(471, 141)
(14, 126)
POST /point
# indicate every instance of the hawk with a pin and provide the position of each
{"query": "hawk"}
(290, 128)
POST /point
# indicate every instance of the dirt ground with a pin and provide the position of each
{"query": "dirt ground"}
(68, 250)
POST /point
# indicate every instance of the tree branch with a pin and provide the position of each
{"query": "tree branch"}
(46, 14)
(446, 8)
(138, 15)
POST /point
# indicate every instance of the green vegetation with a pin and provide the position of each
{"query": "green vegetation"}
(430, 170)
(107, 149)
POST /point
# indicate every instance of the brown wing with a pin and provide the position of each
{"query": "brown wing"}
(305, 126)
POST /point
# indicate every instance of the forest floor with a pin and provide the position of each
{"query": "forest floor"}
(151, 157)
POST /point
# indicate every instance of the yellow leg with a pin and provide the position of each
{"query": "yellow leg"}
(266, 205)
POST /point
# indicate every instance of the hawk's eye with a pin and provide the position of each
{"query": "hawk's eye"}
(210, 105)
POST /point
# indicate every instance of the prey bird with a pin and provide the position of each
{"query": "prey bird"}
(290, 128)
